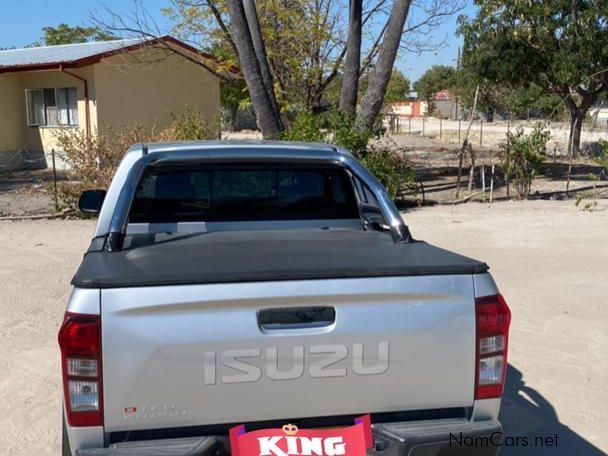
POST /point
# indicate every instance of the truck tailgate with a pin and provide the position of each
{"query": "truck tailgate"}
(190, 355)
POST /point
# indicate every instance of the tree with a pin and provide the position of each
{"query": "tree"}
(66, 34)
(381, 75)
(436, 78)
(305, 44)
(251, 61)
(557, 44)
(352, 65)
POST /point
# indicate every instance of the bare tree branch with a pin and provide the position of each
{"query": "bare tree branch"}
(140, 24)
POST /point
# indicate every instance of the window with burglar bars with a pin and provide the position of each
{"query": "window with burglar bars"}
(52, 107)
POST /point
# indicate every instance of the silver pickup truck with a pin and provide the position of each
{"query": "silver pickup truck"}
(261, 283)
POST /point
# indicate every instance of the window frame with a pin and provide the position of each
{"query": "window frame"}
(28, 107)
(44, 122)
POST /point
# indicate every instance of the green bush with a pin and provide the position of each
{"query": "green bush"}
(344, 132)
(522, 156)
(602, 159)
(306, 127)
(190, 125)
(392, 169)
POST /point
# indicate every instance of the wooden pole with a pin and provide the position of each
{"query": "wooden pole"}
(472, 170)
(492, 184)
(481, 133)
(54, 180)
(423, 119)
(465, 143)
(483, 181)
(459, 124)
(460, 160)
(508, 152)
(571, 159)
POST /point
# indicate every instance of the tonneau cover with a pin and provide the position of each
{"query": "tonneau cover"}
(271, 255)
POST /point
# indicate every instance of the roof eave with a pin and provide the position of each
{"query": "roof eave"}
(96, 58)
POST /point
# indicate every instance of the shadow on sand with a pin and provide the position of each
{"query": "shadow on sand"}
(526, 413)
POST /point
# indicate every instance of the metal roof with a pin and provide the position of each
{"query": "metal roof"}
(64, 53)
(82, 54)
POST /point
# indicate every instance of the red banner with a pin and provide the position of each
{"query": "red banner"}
(291, 441)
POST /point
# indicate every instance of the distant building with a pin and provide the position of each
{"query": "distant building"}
(444, 104)
(409, 108)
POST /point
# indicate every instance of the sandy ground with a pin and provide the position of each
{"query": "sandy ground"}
(547, 257)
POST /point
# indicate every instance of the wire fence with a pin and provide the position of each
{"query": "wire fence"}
(25, 159)
(490, 134)
(22, 159)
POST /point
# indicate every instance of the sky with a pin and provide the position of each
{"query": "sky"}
(21, 22)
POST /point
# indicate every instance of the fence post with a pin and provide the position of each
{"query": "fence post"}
(481, 133)
(440, 129)
(459, 124)
(423, 119)
(398, 125)
(483, 181)
(54, 180)
(492, 184)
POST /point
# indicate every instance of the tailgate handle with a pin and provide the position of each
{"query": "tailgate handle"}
(296, 317)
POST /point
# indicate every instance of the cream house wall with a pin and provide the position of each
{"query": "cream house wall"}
(133, 90)
(12, 116)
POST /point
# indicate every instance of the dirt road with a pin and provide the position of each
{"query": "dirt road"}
(548, 258)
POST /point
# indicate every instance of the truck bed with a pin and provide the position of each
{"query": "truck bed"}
(256, 256)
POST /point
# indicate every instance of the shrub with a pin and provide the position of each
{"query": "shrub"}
(522, 156)
(306, 127)
(190, 125)
(602, 159)
(391, 168)
(93, 160)
(344, 132)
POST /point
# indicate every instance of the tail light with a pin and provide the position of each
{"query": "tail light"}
(80, 343)
(493, 319)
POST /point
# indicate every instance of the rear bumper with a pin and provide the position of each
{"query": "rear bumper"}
(190, 446)
(417, 438)
(438, 437)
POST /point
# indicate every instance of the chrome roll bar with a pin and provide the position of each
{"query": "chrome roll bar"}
(120, 217)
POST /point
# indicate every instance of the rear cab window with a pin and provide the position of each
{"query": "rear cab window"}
(243, 192)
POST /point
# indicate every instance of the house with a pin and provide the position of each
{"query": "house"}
(92, 86)
(444, 104)
(409, 108)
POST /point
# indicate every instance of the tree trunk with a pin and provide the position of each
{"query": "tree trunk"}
(352, 64)
(577, 117)
(576, 126)
(232, 115)
(260, 50)
(267, 115)
(380, 77)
